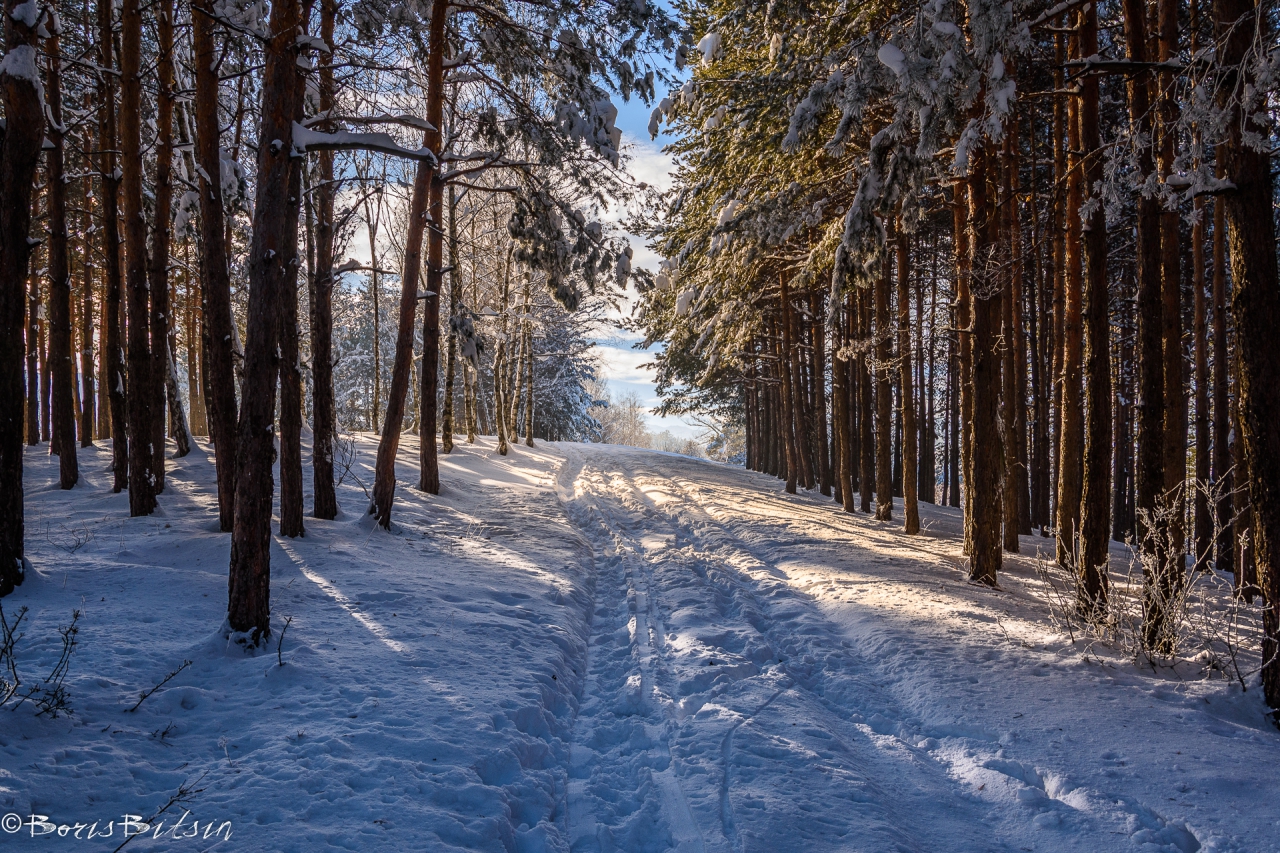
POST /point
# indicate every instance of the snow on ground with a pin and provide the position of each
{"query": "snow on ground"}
(597, 648)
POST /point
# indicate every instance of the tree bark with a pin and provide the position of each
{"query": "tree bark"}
(906, 397)
(1203, 516)
(158, 267)
(62, 364)
(964, 345)
(1096, 487)
(987, 463)
(22, 138)
(324, 416)
(1223, 479)
(884, 396)
(271, 256)
(1252, 241)
(451, 352)
(788, 390)
(142, 476)
(426, 193)
(215, 278)
(88, 386)
(1175, 396)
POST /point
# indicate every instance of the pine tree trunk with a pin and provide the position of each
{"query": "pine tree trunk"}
(986, 466)
(1223, 479)
(324, 416)
(1252, 241)
(271, 255)
(60, 356)
(158, 265)
(1175, 395)
(1096, 487)
(215, 278)
(451, 352)
(1021, 479)
(33, 362)
(818, 362)
(500, 363)
(22, 138)
(799, 424)
(1059, 299)
(1071, 437)
(1009, 402)
(426, 194)
(964, 346)
(843, 397)
(291, 501)
(884, 396)
(866, 404)
(910, 472)
(143, 482)
(1203, 516)
(788, 387)
(88, 385)
(528, 366)
(1149, 470)
(429, 464)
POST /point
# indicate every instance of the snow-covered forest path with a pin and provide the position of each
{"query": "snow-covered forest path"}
(597, 648)
(751, 688)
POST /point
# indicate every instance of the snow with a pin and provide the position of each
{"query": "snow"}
(20, 64)
(306, 139)
(709, 47)
(26, 13)
(891, 56)
(599, 648)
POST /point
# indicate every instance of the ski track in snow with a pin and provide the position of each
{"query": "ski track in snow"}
(711, 664)
(592, 648)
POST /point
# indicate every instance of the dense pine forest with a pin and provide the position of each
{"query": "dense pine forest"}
(1018, 258)
(980, 293)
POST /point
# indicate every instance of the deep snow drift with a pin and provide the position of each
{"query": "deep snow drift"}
(596, 648)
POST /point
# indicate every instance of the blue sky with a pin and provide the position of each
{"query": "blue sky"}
(621, 361)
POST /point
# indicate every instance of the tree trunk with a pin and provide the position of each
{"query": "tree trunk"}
(426, 193)
(528, 366)
(1059, 300)
(1149, 470)
(291, 502)
(88, 411)
(906, 398)
(866, 405)
(1252, 240)
(1175, 396)
(783, 350)
(964, 344)
(215, 278)
(142, 476)
(158, 267)
(791, 364)
(1203, 523)
(884, 396)
(271, 256)
(22, 138)
(986, 466)
(1096, 486)
(1009, 363)
(60, 357)
(33, 362)
(1223, 479)
(324, 418)
(818, 366)
(451, 352)
(1071, 438)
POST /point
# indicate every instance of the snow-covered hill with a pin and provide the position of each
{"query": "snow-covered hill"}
(596, 648)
